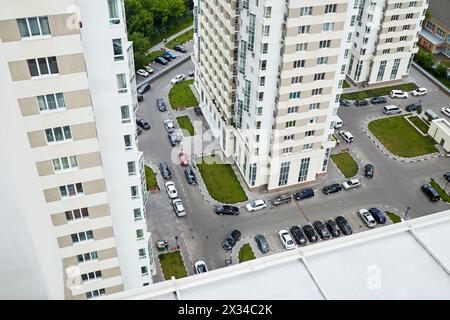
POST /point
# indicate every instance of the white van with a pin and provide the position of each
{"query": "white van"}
(392, 109)
(338, 123)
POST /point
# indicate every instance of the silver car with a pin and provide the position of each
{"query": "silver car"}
(367, 218)
(178, 208)
(168, 124)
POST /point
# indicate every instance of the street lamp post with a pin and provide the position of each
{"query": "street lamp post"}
(176, 239)
(406, 213)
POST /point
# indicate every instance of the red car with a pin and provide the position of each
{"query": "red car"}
(183, 159)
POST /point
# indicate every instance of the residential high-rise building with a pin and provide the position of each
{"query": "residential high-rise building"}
(73, 188)
(270, 73)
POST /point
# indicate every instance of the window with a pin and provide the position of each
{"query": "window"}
(58, 134)
(242, 56)
(357, 34)
(262, 81)
(362, 51)
(252, 172)
(365, 40)
(303, 29)
(131, 168)
(77, 214)
(330, 8)
(85, 257)
(139, 234)
(144, 270)
(367, 29)
(264, 48)
(284, 173)
(326, 158)
(65, 163)
(267, 12)
(381, 70)
(370, 17)
(297, 79)
(299, 64)
(400, 49)
(307, 146)
(324, 44)
(286, 150)
(430, 25)
(397, 5)
(118, 49)
(263, 64)
(95, 293)
(309, 133)
(247, 92)
(125, 113)
(260, 96)
(292, 110)
(71, 190)
(403, 38)
(113, 12)
(388, 40)
(127, 140)
(42, 66)
(294, 95)
(395, 68)
(301, 47)
(91, 275)
(343, 69)
(314, 106)
(440, 33)
(51, 102)
(352, 21)
(304, 166)
(386, 51)
(290, 124)
(329, 26)
(409, 15)
(137, 214)
(121, 83)
(245, 4)
(32, 27)
(142, 253)
(316, 92)
(406, 27)
(322, 60)
(312, 120)
(306, 11)
(82, 236)
(346, 53)
(266, 31)
(394, 17)
(319, 76)
(134, 192)
(257, 138)
(413, 3)
(289, 137)
(251, 32)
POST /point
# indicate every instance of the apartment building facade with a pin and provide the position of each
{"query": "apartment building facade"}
(74, 178)
(435, 34)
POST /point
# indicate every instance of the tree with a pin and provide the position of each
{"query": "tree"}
(424, 59)
(141, 45)
(441, 71)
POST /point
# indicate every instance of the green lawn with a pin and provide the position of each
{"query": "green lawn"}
(220, 180)
(346, 85)
(419, 123)
(377, 92)
(181, 95)
(345, 163)
(246, 253)
(444, 195)
(400, 138)
(154, 54)
(181, 39)
(394, 218)
(172, 265)
(150, 178)
(177, 27)
(185, 123)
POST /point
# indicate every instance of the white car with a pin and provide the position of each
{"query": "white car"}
(200, 267)
(346, 135)
(256, 205)
(446, 111)
(398, 94)
(350, 184)
(142, 73)
(286, 239)
(177, 78)
(178, 208)
(149, 69)
(171, 190)
(419, 92)
(367, 218)
(168, 124)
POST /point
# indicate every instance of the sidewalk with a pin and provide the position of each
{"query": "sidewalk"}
(162, 44)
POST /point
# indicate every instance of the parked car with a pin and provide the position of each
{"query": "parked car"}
(398, 94)
(142, 123)
(149, 69)
(304, 194)
(170, 54)
(361, 103)
(413, 107)
(168, 124)
(430, 192)
(262, 243)
(369, 170)
(419, 92)
(165, 170)
(226, 209)
(298, 235)
(346, 135)
(447, 176)
(367, 218)
(198, 111)
(378, 215)
(191, 73)
(161, 60)
(446, 111)
(286, 239)
(333, 228)
(345, 103)
(174, 139)
(143, 73)
(178, 208)
(144, 88)
(391, 109)
(140, 98)
(138, 131)
(344, 225)
(161, 104)
(179, 48)
(177, 78)
(321, 230)
(200, 267)
(231, 240)
(352, 183)
(310, 233)
(190, 175)
(332, 188)
(184, 161)
(166, 56)
(171, 190)
(281, 198)
(378, 100)
(256, 205)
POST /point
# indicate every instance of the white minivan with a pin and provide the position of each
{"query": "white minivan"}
(338, 123)
(392, 109)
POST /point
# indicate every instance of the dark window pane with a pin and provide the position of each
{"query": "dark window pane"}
(74, 237)
(79, 188)
(34, 26)
(94, 254)
(23, 28)
(68, 215)
(80, 258)
(63, 191)
(44, 25)
(90, 235)
(87, 257)
(51, 102)
(98, 274)
(84, 277)
(84, 212)
(76, 214)
(53, 65)
(71, 189)
(43, 68)
(82, 236)
(32, 66)
(58, 134)
(67, 133)
(49, 135)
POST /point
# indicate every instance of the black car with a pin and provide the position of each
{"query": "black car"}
(174, 139)
(144, 88)
(226, 209)
(304, 194)
(344, 225)
(378, 100)
(333, 228)
(139, 131)
(298, 235)
(161, 104)
(413, 107)
(430, 192)
(378, 215)
(332, 188)
(310, 233)
(369, 170)
(190, 175)
(140, 98)
(361, 103)
(161, 60)
(447, 176)
(231, 240)
(322, 230)
(142, 123)
(165, 171)
(345, 103)
(282, 198)
(198, 111)
(179, 48)
(262, 243)
(166, 56)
